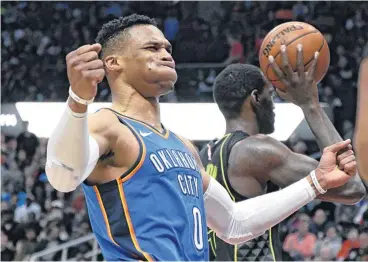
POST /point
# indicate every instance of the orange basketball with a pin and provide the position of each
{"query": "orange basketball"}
(291, 34)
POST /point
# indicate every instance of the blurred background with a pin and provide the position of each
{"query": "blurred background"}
(206, 36)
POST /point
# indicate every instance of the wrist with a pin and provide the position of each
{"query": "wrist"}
(311, 107)
(321, 179)
(76, 107)
(318, 182)
(310, 181)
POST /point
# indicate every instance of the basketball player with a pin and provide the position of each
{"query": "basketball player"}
(147, 194)
(361, 134)
(248, 163)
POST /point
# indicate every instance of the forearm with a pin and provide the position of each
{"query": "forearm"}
(70, 150)
(321, 126)
(361, 128)
(326, 134)
(239, 222)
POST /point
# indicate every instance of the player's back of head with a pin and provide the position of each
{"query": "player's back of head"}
(234, 85)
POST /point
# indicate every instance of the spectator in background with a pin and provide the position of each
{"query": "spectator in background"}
(27, 141)
(300, 11)
(27, 245)
(328, 247)
(236, 52)
(300, 245)
(171, 26)
(22, 212)
(360, 251)
(318, 225)
(352, 242)
(7, 249)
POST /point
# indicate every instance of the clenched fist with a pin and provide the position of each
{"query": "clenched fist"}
(337, 170)
(85, 70)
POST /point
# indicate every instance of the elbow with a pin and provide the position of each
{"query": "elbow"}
(356, 195)
(243, 239)
(60, 178)
(361, 192)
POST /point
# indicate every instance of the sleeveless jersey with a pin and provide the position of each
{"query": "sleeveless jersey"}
(215, 156)
(155, 211)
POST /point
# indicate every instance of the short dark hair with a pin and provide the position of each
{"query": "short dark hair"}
(116, 27)
(233, 86)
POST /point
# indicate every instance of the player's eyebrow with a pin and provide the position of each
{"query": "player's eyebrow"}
(157, 42)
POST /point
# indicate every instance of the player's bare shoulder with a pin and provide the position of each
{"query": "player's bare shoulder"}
(256, 153)
(259, 145)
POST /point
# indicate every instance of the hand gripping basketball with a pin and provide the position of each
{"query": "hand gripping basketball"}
(299, 87)
(85, 70)
(336, 171)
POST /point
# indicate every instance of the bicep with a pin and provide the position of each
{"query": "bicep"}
(266, 159)
(293, 168)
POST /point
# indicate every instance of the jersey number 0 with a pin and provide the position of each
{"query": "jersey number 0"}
(197, 234)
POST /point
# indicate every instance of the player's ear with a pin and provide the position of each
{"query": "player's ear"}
(113, 63)
(254, 97)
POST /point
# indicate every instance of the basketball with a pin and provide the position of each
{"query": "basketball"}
(291, 34)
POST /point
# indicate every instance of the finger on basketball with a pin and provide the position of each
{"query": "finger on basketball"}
(345, 161)
(300, 61)
(344, 155)
(277, 70)
(312, 69)
(285, 62)
(265, 80)
(337, 146)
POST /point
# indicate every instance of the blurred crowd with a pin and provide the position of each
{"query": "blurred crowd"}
(35, 38)
(34, 216)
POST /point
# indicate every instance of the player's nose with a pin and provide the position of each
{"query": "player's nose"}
(167, 59)
(166, 56)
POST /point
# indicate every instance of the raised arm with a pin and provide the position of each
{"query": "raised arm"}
(268, 159)
(301, 89)
(239, 222)
(361, 129)
(76, 142)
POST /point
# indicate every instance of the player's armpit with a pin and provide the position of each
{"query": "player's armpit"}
(269, 159)
(73, 150)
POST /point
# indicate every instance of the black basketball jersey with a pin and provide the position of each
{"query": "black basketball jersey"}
(267, 247)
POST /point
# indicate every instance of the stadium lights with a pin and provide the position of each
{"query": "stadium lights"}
(195, 121)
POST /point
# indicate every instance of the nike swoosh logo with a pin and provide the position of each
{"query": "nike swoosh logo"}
(144, 134)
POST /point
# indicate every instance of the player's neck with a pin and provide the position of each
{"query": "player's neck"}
(132, 104)
(240, 125)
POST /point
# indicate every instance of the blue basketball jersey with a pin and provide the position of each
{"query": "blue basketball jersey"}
(155, 211)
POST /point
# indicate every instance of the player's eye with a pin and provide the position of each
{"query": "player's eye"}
(169, 50)
(152, 48)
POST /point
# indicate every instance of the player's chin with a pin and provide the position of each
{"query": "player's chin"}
(166, 86)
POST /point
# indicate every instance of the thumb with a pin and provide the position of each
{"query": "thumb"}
(337, 146)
